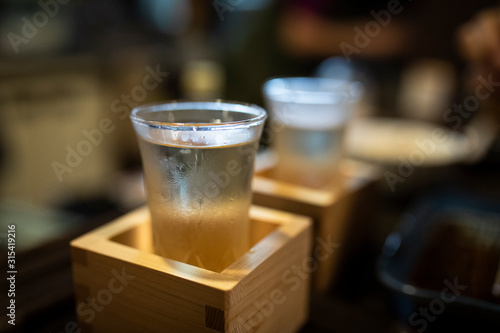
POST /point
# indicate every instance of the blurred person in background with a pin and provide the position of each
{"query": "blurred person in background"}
(479, 43)
(479, 40)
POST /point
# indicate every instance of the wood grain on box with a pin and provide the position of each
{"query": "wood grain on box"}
(123, 286)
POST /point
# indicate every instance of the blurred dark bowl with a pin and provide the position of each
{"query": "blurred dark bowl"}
(441, 265)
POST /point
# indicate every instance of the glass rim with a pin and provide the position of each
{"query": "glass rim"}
(290, 79)
(312, 90)
(259, 114)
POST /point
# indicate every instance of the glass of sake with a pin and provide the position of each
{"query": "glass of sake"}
(198, 161)
(309, 116)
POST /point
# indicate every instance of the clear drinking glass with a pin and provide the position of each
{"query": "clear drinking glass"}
(198, 160)
(309, 117)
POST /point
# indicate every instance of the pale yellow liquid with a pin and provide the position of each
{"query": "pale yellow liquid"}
(199, 198)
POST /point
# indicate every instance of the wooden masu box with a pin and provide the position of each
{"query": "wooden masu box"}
(341, 217)
(122, 286)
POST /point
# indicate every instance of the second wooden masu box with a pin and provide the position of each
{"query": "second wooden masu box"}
(341, 217)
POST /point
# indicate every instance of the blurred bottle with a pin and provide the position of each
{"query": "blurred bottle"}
(202, 80)
(427, 89)
(361, 89)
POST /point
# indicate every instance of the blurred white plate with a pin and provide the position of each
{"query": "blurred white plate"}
(391, 141)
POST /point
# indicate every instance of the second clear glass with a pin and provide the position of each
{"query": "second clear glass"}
(309, 117)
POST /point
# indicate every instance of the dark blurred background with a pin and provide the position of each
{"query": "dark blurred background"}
(71, 71)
